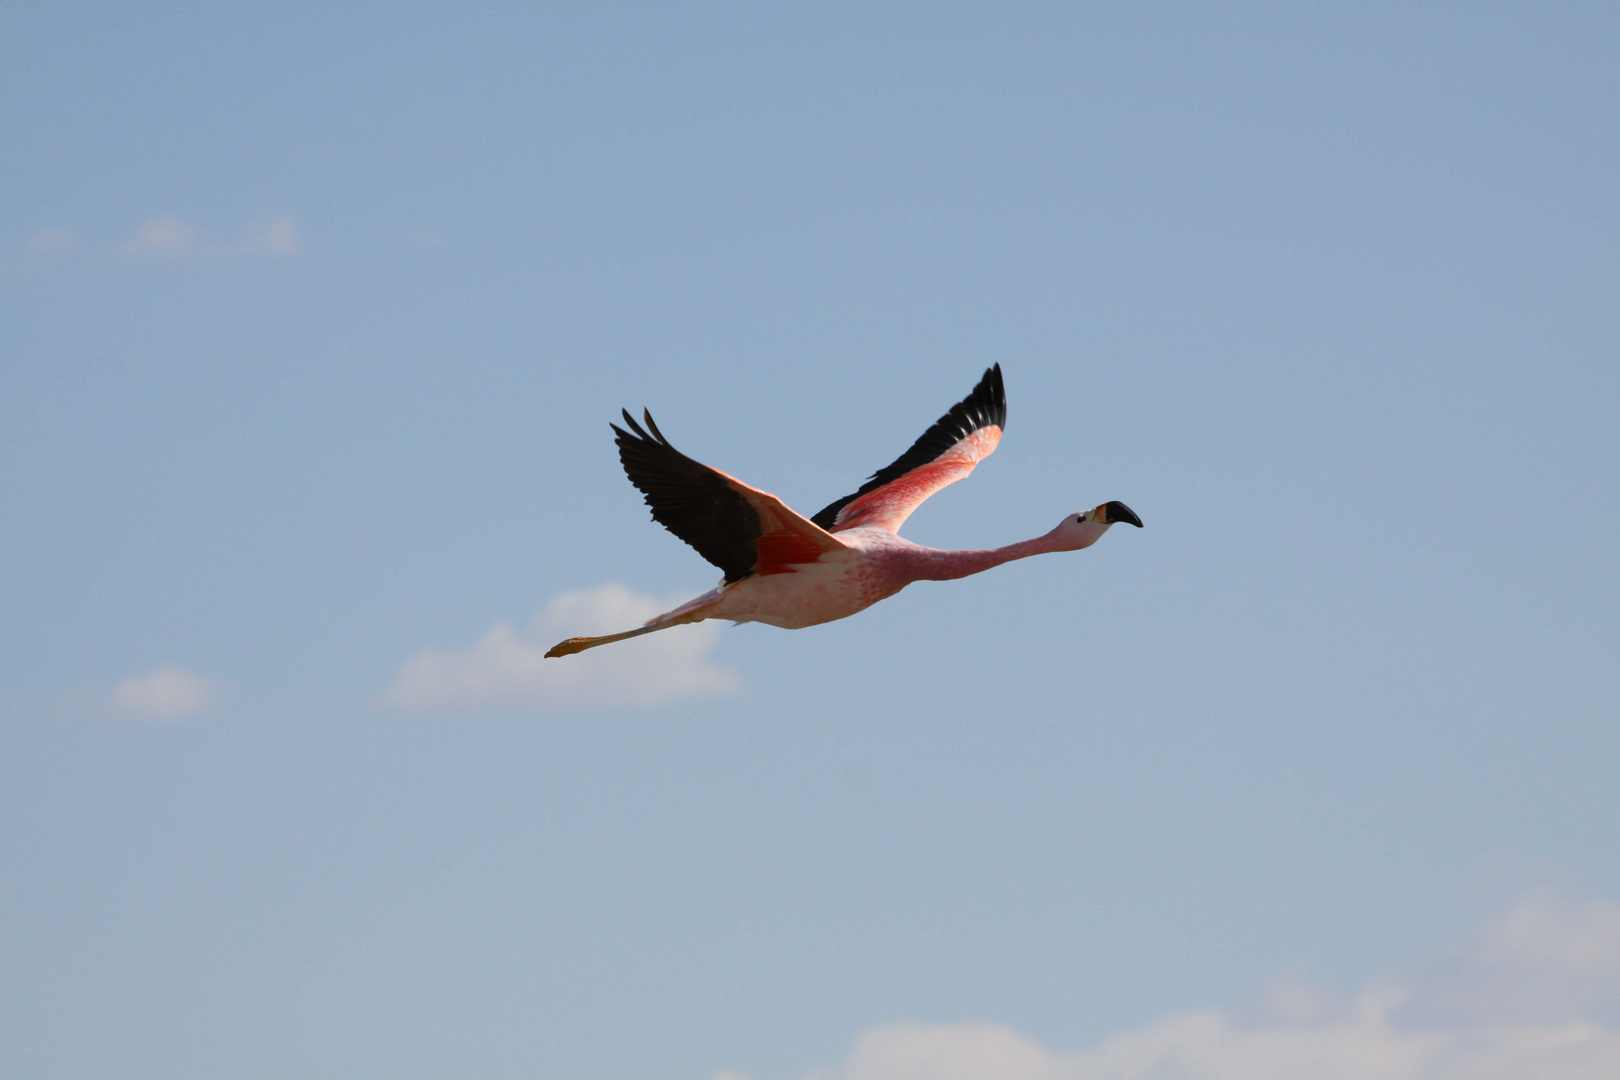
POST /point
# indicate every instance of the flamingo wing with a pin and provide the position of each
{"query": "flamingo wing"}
(738, 528)
(945, 453)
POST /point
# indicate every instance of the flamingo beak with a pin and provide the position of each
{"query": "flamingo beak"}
(1114, 513)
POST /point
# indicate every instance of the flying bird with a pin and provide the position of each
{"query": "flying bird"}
(791, 571)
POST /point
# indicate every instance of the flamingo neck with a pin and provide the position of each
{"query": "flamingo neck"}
(932, 564)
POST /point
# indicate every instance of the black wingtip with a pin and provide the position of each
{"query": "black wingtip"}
(652, 427)
(630, 422)
(994, 395)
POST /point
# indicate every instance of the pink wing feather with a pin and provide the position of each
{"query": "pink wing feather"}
(945, 453)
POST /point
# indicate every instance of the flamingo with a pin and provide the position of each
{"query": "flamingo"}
(790, 571)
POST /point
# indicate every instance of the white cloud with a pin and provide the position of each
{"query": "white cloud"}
(1210, 1046)
(50, 241)
(1521, 998)
(1542, 960)
(169, 693)
(507, 668)
(944, 1052)
(279, 237)
(165, 238)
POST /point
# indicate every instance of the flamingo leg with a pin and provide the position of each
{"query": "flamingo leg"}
(580, 644)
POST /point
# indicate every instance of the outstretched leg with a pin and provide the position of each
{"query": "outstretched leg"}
(580, 644)
(689, 612)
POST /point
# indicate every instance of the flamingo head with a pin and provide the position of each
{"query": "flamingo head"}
(1082, 530)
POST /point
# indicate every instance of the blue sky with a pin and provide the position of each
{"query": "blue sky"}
(312, 325)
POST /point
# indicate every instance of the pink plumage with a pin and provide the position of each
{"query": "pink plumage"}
(790, 571)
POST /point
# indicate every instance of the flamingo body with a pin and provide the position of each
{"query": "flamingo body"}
(789, 571)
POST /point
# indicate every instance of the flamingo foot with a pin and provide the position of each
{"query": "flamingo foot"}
(572, 645)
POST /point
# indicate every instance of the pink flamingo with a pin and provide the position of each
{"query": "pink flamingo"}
(792, 572)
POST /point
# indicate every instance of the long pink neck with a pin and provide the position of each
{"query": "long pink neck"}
(931, 564)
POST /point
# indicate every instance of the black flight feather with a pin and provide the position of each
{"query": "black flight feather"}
(987, 405)
(690, 499)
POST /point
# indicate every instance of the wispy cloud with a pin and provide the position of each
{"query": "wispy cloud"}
(277, 237)
(163, 238)
(507, 667)
(1525, 996)
(169, 693)
(168, 238)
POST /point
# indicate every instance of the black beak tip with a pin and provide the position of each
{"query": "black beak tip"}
(1118, 512)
